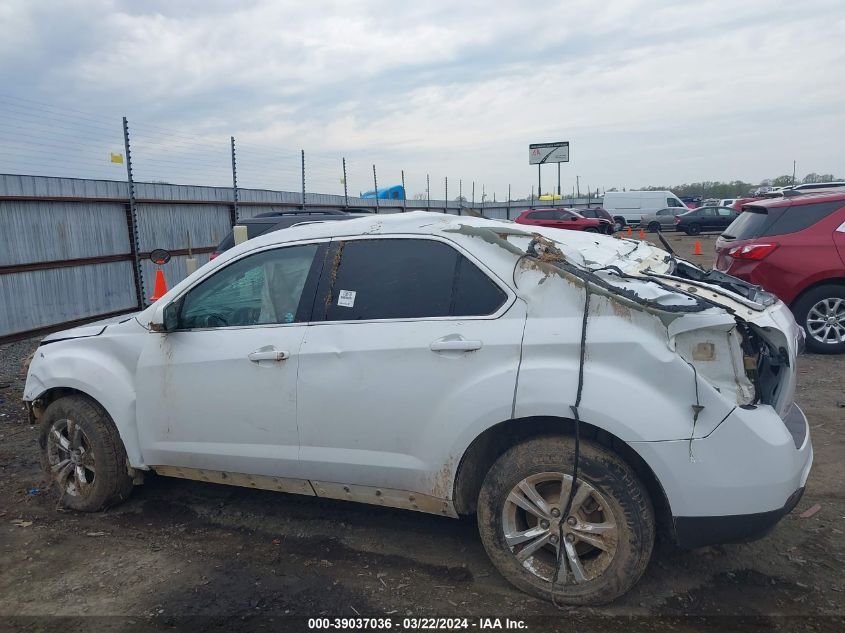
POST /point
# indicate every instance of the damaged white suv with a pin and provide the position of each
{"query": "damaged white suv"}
(573, 390)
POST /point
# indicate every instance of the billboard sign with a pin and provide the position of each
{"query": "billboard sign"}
(539, 153)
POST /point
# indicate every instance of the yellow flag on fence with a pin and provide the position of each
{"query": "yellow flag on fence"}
(117, 158)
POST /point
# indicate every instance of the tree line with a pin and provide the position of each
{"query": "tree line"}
(736, 188)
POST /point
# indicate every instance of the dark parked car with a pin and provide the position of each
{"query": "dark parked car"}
(705, 219)
(563, 219)
(795, 248)
(599, 214)
(277, 220)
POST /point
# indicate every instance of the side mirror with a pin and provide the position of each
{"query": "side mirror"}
(165, 318)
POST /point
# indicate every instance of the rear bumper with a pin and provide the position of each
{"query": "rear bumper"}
(691, 532)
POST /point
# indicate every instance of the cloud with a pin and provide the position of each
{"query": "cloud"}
(648, 92)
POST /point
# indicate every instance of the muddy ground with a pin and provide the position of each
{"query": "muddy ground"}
(248, 558)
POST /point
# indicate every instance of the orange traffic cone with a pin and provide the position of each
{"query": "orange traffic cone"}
(697, 247)
(160, 286)
(630, 232)
(642, 234)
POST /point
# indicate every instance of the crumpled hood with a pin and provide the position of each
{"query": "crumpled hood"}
(91, 329)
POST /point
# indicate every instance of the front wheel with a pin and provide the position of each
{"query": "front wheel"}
(590, 229)
(83, 455)
(607, 537)
(821, 312)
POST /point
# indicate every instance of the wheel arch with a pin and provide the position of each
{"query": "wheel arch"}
(488, 446)
(826, 281)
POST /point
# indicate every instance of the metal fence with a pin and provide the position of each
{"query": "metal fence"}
(72, 249)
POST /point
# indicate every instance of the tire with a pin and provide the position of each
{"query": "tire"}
(614, 494)
(811, 308)
(692, 229)
(618, 224)
(78, 434)
(654, 227)
(590, 229)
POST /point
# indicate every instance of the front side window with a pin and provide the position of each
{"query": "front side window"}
(260, 289)
(542, 215)
(406, 279)
(673, 202)
(725, 212)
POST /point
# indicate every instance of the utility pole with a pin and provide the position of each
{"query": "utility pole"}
(473, 194)
(427, 193)
(446, 194)
(460, 195)
(578, 185)
(539, 182)
(793, 173)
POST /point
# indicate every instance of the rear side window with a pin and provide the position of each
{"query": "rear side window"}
(762, 222)
(407, 279)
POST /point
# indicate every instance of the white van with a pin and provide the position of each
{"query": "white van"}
(628, 207)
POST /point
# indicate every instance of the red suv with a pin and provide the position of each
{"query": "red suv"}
(795, 248)
(564, 219)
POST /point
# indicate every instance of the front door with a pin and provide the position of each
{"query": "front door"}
(219, 393)
(416, 337)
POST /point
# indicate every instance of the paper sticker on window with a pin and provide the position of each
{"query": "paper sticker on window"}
(346, 298)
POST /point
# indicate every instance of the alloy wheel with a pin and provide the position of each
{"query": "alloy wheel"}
(533, 525)
(826, 321)
(70, 457)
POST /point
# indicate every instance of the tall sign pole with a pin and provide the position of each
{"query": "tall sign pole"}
(539, 153)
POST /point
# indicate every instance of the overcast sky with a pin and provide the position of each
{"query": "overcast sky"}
(647, 92)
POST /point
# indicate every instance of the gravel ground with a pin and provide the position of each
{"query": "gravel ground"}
(180, 549)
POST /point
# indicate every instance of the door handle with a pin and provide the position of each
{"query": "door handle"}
(267, 354)
(455, 345)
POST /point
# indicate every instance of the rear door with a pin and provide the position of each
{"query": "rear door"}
(415, 333)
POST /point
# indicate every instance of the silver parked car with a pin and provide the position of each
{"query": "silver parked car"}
(663, 220)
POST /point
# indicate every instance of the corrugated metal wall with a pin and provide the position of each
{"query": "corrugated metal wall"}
(66, 251)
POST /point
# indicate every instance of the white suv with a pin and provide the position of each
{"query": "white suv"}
(572, 390)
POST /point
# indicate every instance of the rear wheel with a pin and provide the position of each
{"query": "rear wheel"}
(692, 229)
(606, 539)
(83, 455)
(821, 312)
(653, 227)
(618, 224)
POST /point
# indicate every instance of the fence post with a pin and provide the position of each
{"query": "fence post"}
(446, 195)
(404, 194)
(303, 179)
(345, 190)
(508, 212)
(235, 208)
(132, 220)
(375, 185)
